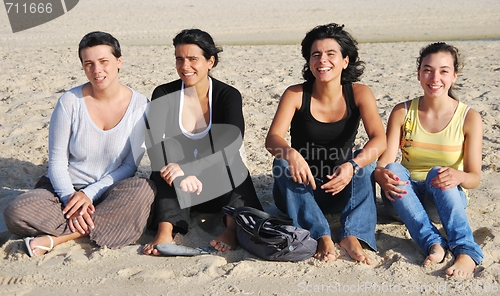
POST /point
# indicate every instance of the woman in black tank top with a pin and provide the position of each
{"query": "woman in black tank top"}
(317, 172)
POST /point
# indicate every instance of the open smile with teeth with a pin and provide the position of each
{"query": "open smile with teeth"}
(100, 78)
(435, 87)
(324, 69)
(188, 74)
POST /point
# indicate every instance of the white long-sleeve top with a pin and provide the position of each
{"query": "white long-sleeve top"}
(81, 155)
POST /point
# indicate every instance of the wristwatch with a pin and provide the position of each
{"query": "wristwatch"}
(355, 166)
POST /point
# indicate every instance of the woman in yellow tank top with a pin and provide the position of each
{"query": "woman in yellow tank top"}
(440, 140)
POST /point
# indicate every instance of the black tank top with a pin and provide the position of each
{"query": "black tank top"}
(324, 145)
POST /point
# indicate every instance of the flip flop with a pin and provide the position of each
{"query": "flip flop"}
(27, 241)
(178, 250)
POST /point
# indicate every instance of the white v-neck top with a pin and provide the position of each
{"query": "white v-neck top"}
(203, 133)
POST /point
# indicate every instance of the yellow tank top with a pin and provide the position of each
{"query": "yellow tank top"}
(421, 150)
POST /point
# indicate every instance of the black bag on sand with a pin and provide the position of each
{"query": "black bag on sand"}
(269, 237)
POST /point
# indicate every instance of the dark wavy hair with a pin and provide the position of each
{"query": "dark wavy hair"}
(100, 38)
(348, 47)
(442, 47)
(202, 39)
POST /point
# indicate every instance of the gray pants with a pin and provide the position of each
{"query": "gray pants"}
(120, 214)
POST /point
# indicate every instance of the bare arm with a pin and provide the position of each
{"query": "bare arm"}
(276, 144)
(470, 176)
(387, 180)
(275, 140)
(394, 134)
(473, 131)
(376, 145)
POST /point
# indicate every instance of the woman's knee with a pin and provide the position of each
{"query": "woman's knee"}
(147, 184)
(26, 200)
(280, 168)
(432, 173)
(399, 170)
(10, 211)
(394, 166)
(148, 187)
(143, 188)
(17, 209)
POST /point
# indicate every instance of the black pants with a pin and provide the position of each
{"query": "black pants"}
(166, 207)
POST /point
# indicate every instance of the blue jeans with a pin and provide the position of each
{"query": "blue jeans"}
(306, 206)
(450, 207)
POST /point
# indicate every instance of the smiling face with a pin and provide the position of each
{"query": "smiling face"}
(437, 74)
(100, 65)
(326, 61)
(192, 67)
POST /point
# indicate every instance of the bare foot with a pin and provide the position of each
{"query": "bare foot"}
(163, 236)
(325, 250)
(436, 255)
(226, 240)
(355, 250)
(463, 267)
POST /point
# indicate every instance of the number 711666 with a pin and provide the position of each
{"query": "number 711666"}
(29, 8)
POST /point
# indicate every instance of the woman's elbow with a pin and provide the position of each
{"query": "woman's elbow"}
(383, 147)
(379, 144)
(267, 143)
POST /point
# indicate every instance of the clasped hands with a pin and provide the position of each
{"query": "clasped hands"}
(78, 211)
(188, 184)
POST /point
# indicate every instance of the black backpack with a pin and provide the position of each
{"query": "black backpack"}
(270, 237)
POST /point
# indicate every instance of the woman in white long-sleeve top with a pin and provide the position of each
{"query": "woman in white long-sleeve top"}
(94, 148)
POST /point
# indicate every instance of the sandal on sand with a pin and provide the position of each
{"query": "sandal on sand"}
(178, 250)
(28, 240)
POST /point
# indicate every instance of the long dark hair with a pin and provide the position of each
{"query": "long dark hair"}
(443, 47)
(348, 47)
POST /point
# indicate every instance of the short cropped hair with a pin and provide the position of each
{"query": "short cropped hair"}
(99, 38)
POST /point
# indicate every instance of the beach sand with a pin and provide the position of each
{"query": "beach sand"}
(261, 58)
